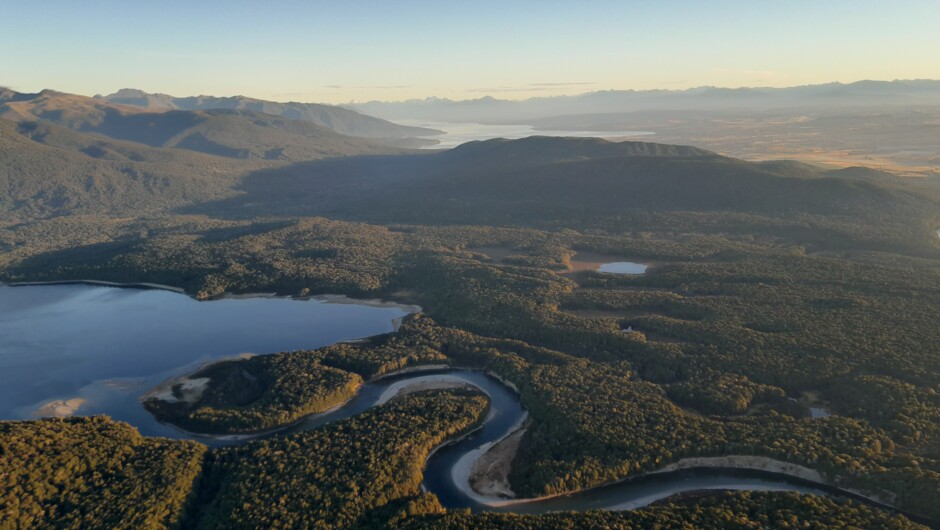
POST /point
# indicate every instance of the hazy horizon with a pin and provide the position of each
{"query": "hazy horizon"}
(476, 98)
(320, 52)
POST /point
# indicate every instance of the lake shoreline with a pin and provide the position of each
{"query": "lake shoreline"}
(136, 332)
(101, 283)
(329, 298)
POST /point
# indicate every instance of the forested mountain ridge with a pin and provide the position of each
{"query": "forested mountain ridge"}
(48, 171)
(592, 183)
(339, 119)
(233, 133)
(538, 150)
(591, 172)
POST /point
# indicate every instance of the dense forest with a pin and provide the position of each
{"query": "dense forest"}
(257, 393)
(95, 473)
(92, 473)
(335, 476)
(772, 289)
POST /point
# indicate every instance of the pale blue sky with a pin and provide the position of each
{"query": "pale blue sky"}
(340, 51)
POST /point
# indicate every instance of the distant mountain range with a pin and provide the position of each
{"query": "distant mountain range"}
(870, 94)
(339, 119)
(64, 154)
(233, 133)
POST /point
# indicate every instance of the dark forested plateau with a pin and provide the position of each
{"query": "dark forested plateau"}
(773, 288)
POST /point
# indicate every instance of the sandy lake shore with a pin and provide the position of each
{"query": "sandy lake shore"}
(59, 408)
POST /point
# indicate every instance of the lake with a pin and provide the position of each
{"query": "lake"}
(460, 133)
(108, 345)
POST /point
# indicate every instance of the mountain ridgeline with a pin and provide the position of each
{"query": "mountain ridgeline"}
(63, 154)
(861, 94)
(231, 133)
(339, 119)
(51, 171)
(590, 183)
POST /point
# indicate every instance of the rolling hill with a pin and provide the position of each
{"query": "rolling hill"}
(521, 177)
(598, 185)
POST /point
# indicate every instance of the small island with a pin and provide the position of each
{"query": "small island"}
(253, 394)
(263, 392)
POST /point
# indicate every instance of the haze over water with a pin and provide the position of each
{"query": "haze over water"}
(460, 133)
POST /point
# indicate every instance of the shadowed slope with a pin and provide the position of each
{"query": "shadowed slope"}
(50, 171)
(230, 133)
(542, 180)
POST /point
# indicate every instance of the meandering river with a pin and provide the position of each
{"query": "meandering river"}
(107, 346)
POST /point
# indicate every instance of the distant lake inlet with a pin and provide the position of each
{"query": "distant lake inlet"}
(460, 133)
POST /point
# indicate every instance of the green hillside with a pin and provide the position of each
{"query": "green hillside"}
(48, 171)
(92, 473)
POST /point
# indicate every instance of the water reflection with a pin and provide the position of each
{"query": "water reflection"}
(107, 345)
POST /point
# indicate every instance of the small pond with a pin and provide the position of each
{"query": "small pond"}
(623, 267)
(593, 261)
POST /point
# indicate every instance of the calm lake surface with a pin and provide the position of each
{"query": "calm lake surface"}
(623, 267)
(109, 345)
(459, 133)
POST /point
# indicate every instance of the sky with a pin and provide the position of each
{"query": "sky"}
(361, 50)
